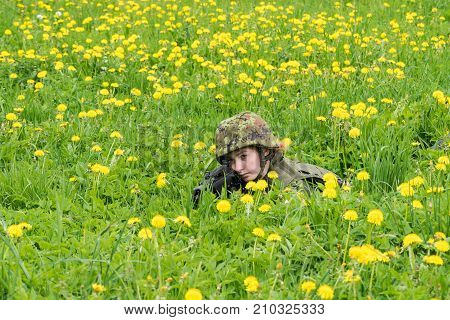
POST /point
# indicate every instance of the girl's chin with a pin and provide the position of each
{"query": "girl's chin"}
(248, 178)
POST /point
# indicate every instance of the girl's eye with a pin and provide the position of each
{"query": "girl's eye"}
(243, 156)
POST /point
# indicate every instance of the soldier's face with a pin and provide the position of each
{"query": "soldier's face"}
(246, 163)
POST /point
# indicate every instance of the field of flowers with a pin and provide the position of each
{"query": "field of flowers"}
(107, 116)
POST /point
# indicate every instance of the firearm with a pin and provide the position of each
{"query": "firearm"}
(216, 180)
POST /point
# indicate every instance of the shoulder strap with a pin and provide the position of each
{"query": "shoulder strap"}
(310, 171)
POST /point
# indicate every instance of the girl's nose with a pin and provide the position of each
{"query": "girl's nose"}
(238, 165)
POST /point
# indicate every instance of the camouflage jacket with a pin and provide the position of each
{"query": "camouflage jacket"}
(301, 175)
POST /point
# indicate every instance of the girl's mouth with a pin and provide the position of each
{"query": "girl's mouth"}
(244, 176)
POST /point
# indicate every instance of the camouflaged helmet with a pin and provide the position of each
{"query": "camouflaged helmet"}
(243, 130)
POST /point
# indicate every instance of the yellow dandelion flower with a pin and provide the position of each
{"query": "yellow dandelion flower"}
(11, 117)
(98, 288)
(439, 235)
(443, 159)
(329, 193)
(391, 123)
(260, 185)
(264, 208)
(433, 259)
(366, 254)
(157, 95)
(272, 175)
(42, 74)
(325, 292)
(158, 221)
(411, 239)
(104, 92)
(250, 185)
(247, 199)
(390, 253)
(354, 133)
(223, 206)
(39, 153)
(136, 92)
(176, 144)
(274, 237)
(98, 168)
(363, 175)
(438, 94)
(199, 145)
(115, 135)
(183, 220)
(442, 245)
(329, 176)
(375, 216)
(61, 107)
(258, 232)
(75, 138)
(14, 231)
(286, 142)
(118, 152)
(145, 233)
(350, 277)
(25, 226)
(251, 284)
(406, 189)
(308, 286)
(82, 114)
(350, 215)
(340, 113)
(132, 159)
(133, 221)
(91, 114)
(193, 294)
(59, 65)
(96, 148)
(161, 181)
(417, 204)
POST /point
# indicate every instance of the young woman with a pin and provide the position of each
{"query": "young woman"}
(247, 150)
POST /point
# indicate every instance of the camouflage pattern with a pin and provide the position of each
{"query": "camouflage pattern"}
(243, 130)
(248, 129)
(301, 175)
